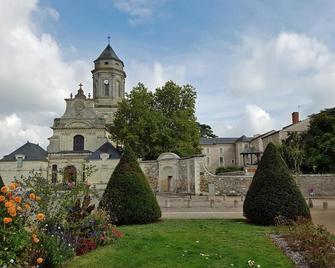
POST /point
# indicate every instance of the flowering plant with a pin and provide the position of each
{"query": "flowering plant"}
(20, 217)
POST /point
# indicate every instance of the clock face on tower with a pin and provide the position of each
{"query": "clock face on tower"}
(106, 82)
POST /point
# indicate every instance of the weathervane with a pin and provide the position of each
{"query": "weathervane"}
(109, 39)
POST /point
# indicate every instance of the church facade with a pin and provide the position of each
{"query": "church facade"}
(80, 147)
(80, 140)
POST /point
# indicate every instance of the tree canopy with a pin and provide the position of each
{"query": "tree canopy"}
(320, 141)
(156, 122)
(206, 131)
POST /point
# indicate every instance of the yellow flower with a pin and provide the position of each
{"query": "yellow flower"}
(7, 220)
(12, 186)
(2, 198)
(32, 196)
(17, 199)
(11, 210)
(40, 217)
(39, 260)
(9, 204)
(4, 189)
(13, 214)
(27, 205)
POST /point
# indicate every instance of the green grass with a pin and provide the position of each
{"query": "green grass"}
(180, 243)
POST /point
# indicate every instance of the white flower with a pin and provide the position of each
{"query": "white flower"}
(232, 264)
(197, 241)
(258, 266)
(11, 261)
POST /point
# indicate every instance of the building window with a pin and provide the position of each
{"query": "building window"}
(78, 143)
(54, 174)
(106, 89)
(207, 150)
(118, 88)
(221, 150)
(208, 161)
(232, 161)
(246, 145)
(19, 162)
(221, 160)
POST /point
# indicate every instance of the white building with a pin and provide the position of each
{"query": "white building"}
(80, 138)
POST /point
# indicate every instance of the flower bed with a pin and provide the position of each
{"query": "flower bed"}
(43, 225)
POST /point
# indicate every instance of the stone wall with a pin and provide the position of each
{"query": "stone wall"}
(323, 185)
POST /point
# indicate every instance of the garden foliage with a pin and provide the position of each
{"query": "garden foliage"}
(46, 224)
(314, 243)
(128, 197)
(273, 192)
(156, 122)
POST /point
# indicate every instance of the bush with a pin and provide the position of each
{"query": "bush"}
(128, 197)
(220, 170)
(273, 192)
(315, 243)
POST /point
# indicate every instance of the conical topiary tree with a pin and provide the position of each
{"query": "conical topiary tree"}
(1, 182)
(273, 192)
(128, 198)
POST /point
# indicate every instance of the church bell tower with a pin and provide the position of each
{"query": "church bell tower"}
(108, 83)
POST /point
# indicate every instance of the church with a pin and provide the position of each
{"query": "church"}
(80, 147)
(80, 140)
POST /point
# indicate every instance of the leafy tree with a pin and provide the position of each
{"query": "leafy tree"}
(273, 192)
(320, 141)
(292, 150)
(206, 131)
(153, 123)
(128, 198)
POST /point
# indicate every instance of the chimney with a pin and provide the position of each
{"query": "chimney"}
(295, 117)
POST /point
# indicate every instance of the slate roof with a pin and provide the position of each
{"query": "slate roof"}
(251, 150)
(106, 148)
(243, 139)
(32, 152)
(108, 54)
(211, 141)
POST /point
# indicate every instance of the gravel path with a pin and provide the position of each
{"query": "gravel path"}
(296, 257)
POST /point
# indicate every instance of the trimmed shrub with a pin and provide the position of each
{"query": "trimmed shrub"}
(221, 170)
(273, 192)
(128, 197)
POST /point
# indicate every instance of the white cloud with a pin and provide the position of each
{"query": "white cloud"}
(53, 13)
(14, 133)
(34, 77)
(256, 120)
(139, 10)
(153, 75)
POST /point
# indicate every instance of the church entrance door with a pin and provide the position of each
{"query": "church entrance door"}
(70, 174)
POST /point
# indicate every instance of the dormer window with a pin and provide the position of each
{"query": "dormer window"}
(106, 63)
(19, 161)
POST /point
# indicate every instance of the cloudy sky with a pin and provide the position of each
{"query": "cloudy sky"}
(252, 62)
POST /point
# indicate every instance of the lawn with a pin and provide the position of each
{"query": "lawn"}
(188, 243)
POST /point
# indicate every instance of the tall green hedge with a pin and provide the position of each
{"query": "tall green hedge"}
(128, 197)
(273, 192)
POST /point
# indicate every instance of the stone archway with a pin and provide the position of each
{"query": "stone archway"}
(70, 174)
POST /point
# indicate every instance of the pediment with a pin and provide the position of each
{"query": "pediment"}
(77, 124)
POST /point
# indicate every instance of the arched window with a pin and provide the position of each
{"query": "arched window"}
(78, 143)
